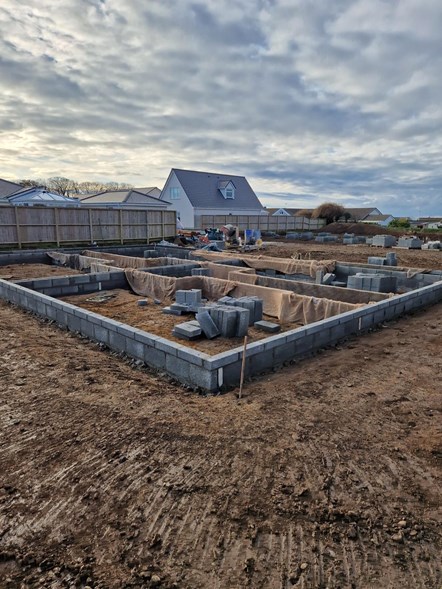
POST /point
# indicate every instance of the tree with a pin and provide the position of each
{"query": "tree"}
(330, 211)
(304, 213)
(400, 223)
(347, 216)
(61, 185)
(28, 183)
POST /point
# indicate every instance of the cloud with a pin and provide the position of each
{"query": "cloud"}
(311, 101)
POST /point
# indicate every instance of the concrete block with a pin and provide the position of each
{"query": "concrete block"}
(117, 341)
(180, 296)
(101, 334)
(228, 322)
(410, 242)
(134, 349)
(383, 240)
(391, 259)
(154, 357)
(243, 322)
(187, 331)
(205, 379)
(247, 303)
(184, 308)
(376, 261)
(319, 276)
(200, 272)
(328, 278)
(193, 296)
(178, 368)
(142, 302)
(268, 326)
(226, 300)
(170, 311)
(207, 324)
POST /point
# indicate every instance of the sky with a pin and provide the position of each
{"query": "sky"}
(311, 100)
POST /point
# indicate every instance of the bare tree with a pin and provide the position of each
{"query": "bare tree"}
(330, 211)
(304, 213)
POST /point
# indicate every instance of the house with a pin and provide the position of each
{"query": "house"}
(428, 222)
(7, 188)
(38, 195)
(193, 194)
(283, 212)
(128, 199)
(150, 190)
(382, 220)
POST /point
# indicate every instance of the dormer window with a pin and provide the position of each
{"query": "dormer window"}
(227, 188)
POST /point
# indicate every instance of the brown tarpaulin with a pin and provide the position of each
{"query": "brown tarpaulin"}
(283, 265)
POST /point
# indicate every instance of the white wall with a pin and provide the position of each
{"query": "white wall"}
(183, 206)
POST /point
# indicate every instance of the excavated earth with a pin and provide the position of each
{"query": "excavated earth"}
(325, 474)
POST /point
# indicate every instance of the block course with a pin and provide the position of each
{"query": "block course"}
(198, 369)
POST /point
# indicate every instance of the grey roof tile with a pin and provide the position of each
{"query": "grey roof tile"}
(202, 189)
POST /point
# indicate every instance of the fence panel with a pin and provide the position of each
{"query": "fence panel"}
(23, 226)
(263, 222)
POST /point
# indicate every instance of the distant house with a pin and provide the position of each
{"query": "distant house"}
(37, 195)
(128, 199)
(283, 212)
(150, 191)
(7, 188)
(192, 194)
(382, 220)
(361, 213)
(428, 222)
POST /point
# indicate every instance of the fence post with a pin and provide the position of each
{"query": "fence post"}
(17, 225)
(57, 228)
(91, 232)
(162, 224)
(121, 226)
(147, 226)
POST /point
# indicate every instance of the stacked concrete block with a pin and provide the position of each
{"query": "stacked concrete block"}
(410, 243)
(231, 321)
(188, 330)
(390, 259)
(253, 303)
(207, 324)
(373, 282)
(384, 240)
(192, 296)
(432, 245)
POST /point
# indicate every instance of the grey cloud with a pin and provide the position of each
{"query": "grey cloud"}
(336, 99)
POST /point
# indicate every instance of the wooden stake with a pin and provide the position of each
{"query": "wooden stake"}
(243, 365)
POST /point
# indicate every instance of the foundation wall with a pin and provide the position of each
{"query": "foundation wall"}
(63, 286)
(195, 368)
(405, 280)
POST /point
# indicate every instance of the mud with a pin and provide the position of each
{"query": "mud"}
(326, 474)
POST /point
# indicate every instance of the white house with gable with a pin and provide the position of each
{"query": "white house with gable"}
(192, 194)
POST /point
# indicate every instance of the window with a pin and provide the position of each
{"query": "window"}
(174, 193)
(229, 192)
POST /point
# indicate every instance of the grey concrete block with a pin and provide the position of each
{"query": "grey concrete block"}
(243, 322)
(319, 276)
(193, 296)
(117, 341)
(180, 296)
(178, 368)
(203, 378)
(142, 302)
(222, 359)
(200, 272)
(228, 322)
(328, 278)
(86, 328)
(268, 326)
(184, 308)
(134, 349)
(101, 334)
(192, 356)
(187, 331)
(247, 303)
(154, 357)
(207, 324)
(170, 311)
(73, 323)
(377, 261)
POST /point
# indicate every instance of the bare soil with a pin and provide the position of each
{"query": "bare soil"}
(25, 271)
(326, 474)
(424, 259)
(122, 306)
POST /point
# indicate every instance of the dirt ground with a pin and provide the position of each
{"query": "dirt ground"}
(25, 271)
(326, 474)
(122, 306)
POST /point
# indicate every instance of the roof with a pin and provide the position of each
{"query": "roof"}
(371, 218)
(150, 190)
(202, 189)
(7, 188)
(39, 195)
(118, 197)
(360, 213)
(292, 212)
(429, 219)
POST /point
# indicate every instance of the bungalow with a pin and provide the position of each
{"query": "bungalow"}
(133, 198)
(382, 220)
(38, 196)
(283, 212)
(193, 194)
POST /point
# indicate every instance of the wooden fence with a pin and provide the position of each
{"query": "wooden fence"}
(263, 222)
(23, 226)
